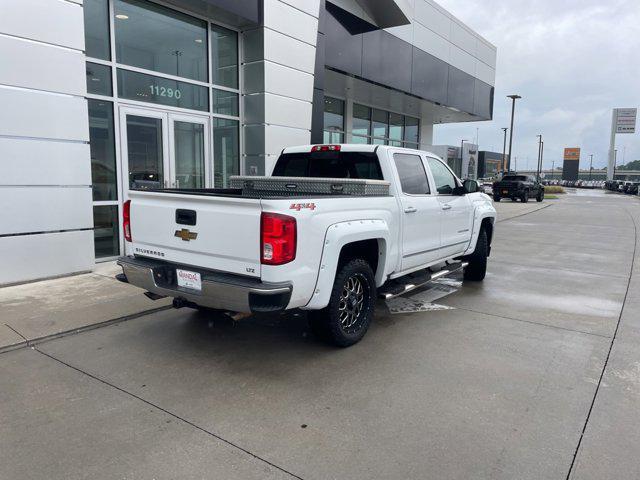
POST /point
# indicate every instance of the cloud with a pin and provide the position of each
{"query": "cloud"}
(571, 60)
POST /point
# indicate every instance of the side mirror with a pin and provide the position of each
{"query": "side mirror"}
(470, 186)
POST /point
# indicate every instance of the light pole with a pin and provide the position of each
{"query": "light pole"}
(461, 155)
(615, 158)
(553, 167)
(513, 111)
(539, 156)
(504, 151)
(590, 165)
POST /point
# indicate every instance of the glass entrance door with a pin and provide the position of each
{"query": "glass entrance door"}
(164, 150)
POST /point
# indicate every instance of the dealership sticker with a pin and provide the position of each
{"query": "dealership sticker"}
(187, 279)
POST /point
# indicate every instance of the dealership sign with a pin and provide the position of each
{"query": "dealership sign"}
(572, 154)
(625, 120)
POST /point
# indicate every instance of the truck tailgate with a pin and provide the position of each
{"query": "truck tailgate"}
(211, 232)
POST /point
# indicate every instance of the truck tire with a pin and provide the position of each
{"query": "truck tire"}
(525, 196)
(347, 317)
(477, 268)
(540, 196)
(496, 198)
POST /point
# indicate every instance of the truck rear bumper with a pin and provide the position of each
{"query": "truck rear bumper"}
(222, 291)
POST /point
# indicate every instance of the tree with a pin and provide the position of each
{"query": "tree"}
(635, 165)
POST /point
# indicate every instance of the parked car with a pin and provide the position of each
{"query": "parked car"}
(516, 186)
(333, 226)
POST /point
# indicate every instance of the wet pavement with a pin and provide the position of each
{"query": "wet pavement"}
(531, 374)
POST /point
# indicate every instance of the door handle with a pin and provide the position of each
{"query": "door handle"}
(410, 210)
(446, 206)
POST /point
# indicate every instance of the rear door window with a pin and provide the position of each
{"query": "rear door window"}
(363, 165)
(413, 177)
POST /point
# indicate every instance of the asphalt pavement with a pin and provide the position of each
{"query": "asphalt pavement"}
(532, 374)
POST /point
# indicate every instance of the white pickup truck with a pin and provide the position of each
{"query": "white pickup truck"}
(331, 228)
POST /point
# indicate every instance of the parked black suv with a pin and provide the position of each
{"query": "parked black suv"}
(516, 186)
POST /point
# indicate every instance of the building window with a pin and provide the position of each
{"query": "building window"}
(226, 151)
(99, 79)
(156, 38)
(105, 231)
(333, 120)
(361, 120)
(379, 127)
(225, 102)
(224, 57)
(411, 130)
(96, 29)
(102, 148)
(396, 129)
(163, 91)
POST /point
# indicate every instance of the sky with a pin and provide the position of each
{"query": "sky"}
(572, 61)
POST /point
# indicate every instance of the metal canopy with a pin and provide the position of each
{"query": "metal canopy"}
(381, 13)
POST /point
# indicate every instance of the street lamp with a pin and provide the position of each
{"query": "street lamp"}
(590, 165)
(513, 110)
(504, 151)
(553, 167)
(461, 155)
(539, 156)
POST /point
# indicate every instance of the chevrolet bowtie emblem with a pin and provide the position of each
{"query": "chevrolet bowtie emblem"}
(185, 234)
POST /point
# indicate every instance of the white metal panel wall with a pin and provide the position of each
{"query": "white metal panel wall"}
(279, 62)
(44, 209)
(33, 113)
(39, 162)
(281, 17)
(45, 166)
(30, 257)
(35, 65)
(55, 22)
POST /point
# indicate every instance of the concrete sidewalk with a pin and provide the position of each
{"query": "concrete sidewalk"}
(37, 311)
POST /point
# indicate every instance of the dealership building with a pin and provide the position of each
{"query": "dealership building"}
(98, 97)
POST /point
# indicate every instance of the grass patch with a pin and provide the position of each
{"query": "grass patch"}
(553, 189)
(551, 197)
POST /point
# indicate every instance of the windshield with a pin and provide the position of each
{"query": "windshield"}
(329, 165)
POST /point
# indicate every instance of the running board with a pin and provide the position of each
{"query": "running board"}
(408, 283)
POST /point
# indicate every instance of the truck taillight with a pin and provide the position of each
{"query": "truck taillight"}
(126, 220)
(277, 238)
(325, 148)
